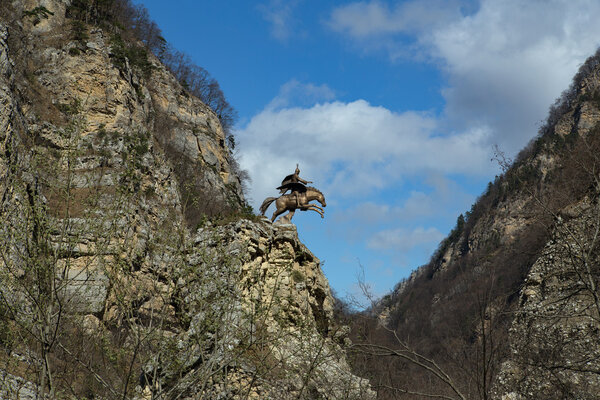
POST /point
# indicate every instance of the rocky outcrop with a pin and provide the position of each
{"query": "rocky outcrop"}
(85, 78)
(281, 339)
(15, 387)
(554, 336)
(103, 143)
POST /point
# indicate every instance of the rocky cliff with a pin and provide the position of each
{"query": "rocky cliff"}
(554, 335)
(282, 314)
(114, 281)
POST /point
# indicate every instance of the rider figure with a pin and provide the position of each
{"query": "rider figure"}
(295, 184)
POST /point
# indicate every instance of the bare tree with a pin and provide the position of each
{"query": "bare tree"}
(376, 341)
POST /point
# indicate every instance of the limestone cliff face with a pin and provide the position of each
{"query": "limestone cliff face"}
(66, 78)
(280, 315)
(555, 332)
(106, 287)
(96, 138)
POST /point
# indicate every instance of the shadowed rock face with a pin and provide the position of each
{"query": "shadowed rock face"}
(92, 157)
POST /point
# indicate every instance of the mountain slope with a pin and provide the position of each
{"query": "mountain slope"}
(517, 277)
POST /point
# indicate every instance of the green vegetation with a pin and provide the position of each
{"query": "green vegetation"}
(122, 53)
(79, 31)
(70, 109)
(6, 330)
(74, 51)
(93, 11)
(37, 14)
(298, 276)
(136, 146)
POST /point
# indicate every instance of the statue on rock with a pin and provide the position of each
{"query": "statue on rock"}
(299, 198)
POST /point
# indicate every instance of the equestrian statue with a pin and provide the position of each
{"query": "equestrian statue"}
(299, 198)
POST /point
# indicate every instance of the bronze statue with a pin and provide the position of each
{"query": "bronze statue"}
(294, 184)
(299, 198)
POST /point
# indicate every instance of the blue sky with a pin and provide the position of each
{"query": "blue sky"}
(392, 108)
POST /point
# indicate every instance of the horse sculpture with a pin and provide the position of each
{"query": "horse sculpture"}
(290, 203)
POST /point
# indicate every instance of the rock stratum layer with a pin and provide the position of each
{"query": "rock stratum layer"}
(109, 289)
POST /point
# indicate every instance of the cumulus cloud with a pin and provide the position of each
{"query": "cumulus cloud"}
(353, 148)
(506, 61)
(436, 202)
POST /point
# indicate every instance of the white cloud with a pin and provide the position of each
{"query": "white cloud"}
(403, 240)
(350, 149)
(301, 94)
(436, 202)
(505, 61)
(362, 20)
(508, 62)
